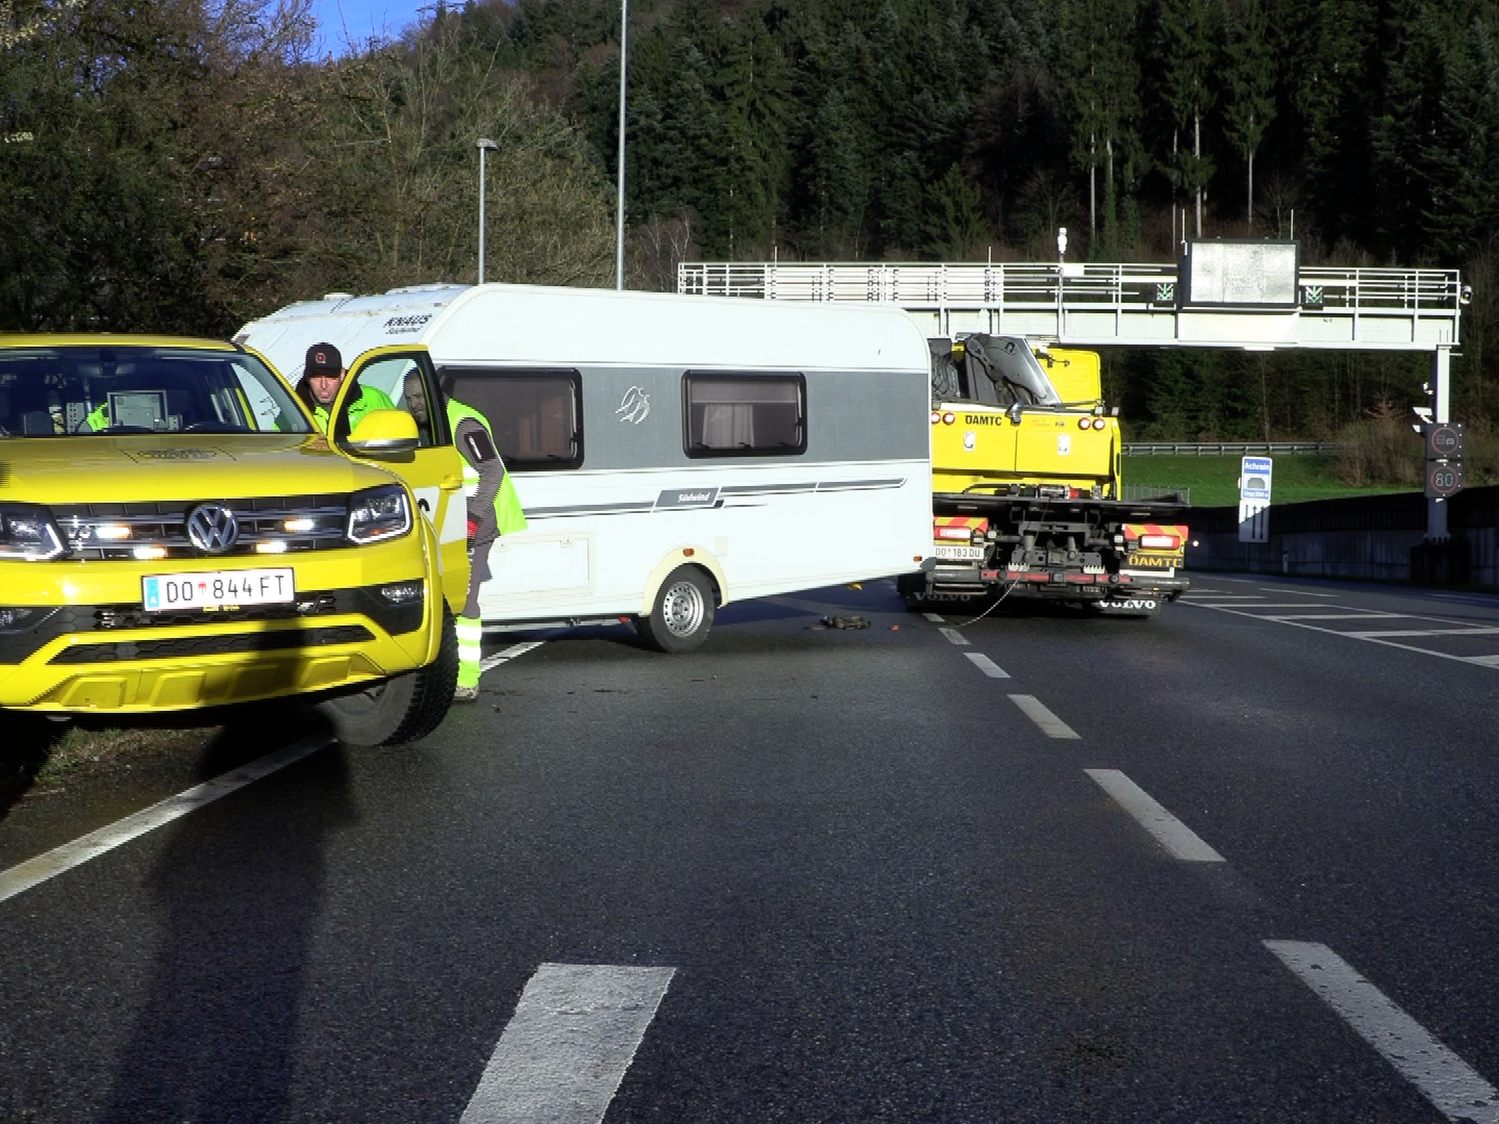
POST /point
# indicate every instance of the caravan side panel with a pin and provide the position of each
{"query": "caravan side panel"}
(779, 446)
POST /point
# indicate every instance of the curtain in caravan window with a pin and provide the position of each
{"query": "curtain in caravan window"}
(727, 426)
(743, 414)
(536, 414)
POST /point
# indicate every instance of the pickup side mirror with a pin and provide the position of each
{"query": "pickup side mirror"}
(384, 434)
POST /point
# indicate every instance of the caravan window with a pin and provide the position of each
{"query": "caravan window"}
(536, 415)
(737, 415)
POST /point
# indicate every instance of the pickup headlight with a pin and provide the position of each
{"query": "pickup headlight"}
(27, 532)
(377, 514)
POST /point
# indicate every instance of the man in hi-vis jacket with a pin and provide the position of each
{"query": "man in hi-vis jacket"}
(493, 510)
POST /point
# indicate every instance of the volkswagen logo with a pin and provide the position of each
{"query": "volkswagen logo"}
(212, 528)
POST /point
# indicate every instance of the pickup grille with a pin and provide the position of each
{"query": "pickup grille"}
(195, 646)
(93, 626)
(116, 531)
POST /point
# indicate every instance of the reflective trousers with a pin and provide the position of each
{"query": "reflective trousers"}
(470, 650)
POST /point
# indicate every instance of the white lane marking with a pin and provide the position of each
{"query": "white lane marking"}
(1279, 592)
(1246, 605)
(1180, 841)
(1467, 598)
(1457, 1091)
(1377, 638)
(564, 1053)
(954, 637)
(1467, 631)
(986, 665)
(1051, 725)
(1349, 614)
(935, 618)
(59, 860)
(509, 654)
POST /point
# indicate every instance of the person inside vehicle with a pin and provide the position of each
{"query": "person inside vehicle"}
(322, 375)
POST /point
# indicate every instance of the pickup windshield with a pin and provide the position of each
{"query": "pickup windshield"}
(88, 390)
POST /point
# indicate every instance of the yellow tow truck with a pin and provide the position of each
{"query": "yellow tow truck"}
(1028, 500)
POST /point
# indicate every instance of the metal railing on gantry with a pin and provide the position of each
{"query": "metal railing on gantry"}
(1098, 304)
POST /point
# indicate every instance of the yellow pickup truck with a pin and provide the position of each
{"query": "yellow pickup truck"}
(176, 533)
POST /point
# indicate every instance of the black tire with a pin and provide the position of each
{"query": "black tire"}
(682, 615)
(403, 708)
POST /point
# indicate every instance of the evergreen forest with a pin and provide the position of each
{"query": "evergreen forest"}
(187, 165)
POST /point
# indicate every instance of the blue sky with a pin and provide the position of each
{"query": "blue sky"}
(343, 21)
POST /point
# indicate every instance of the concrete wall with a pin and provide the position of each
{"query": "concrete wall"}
(1372, 538)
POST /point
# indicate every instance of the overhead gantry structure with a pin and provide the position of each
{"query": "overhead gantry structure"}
(1245, 295)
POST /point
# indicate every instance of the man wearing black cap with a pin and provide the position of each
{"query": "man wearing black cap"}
(322, 375)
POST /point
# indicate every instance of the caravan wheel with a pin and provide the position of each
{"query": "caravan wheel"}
(683, 612)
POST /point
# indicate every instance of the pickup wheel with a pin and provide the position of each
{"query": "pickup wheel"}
(403, 708)
(682, 615)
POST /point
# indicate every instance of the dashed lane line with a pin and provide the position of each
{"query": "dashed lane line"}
(59, 860)
(574, 1034)
(1457, 1091)
(954, 637)
(1050, 724)
(508, 654)
(1180, 841)
(986, 665)
(1454, 1088)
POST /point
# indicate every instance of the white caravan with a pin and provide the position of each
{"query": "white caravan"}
(672, 453)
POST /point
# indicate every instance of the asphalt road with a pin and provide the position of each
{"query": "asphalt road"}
(1232, 864)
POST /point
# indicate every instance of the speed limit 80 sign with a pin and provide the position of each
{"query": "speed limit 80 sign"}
(1443, 480)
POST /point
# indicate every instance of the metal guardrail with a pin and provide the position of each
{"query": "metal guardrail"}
(1227, 448)
(1168, 494)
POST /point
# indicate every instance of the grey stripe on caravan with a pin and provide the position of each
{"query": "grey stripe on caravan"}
(768, 489)
(860, 485)
(592, 509)
(824, 486)
(739, 490)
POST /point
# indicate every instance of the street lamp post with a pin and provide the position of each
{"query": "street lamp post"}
(619, 207)
(484, 144)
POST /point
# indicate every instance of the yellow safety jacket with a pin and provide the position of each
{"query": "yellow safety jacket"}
(509, 515)
(369, 399)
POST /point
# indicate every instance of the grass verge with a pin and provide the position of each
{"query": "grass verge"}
(83, 750)
(1214, 481)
